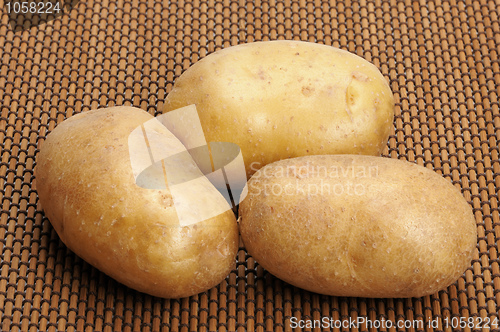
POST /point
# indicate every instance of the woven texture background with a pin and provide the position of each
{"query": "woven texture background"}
(442, 61)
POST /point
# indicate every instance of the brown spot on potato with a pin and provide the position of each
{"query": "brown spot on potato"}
(360, 76)
(307, 91)
(329, 91)
(261, 74)
(298, 172)
(350, 96)
(351, 99)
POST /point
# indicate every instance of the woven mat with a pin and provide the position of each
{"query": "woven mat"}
(441, 58)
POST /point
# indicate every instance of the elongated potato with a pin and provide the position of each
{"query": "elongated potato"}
(282, 99)
(351, 225)
(87, 189)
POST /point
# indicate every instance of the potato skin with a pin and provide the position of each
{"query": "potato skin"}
(283, 99)
(86, 188)
(390, 229)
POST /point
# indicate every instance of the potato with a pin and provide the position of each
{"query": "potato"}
(282, 99)
(86, 186)
(352, 225)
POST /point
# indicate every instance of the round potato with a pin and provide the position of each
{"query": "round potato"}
(282, 99)
(351, 225)
(86, 186)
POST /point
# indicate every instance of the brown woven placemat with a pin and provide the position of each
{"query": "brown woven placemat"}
(441, 58)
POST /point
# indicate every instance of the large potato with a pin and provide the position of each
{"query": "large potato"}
(282, 99)
(87, 189)
(351, 225)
